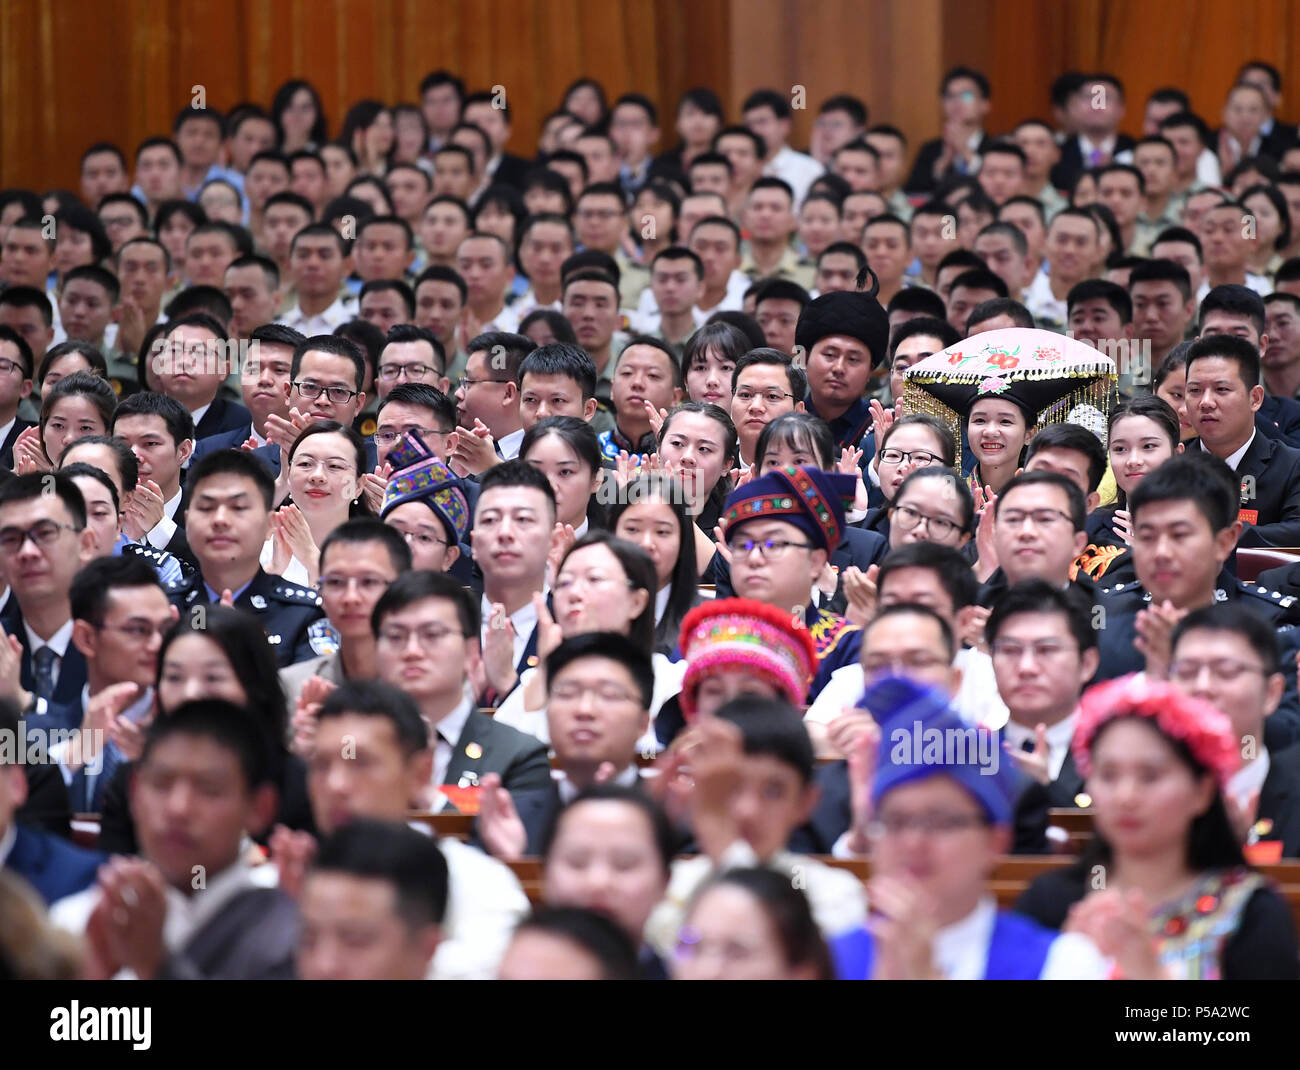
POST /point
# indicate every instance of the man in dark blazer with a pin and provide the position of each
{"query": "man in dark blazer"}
(1097, 105)
(46, 515)
(492, 116)
(1224, 393)
(964, 94)
(426, 632)
(1209, 647)
(50, 864)
(16, 370)
(599, 690)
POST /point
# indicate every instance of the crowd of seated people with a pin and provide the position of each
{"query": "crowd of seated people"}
(422, 561)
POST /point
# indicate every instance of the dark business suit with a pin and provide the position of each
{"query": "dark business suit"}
(226, 440)
(1279, 800)
(511, 170)
(7, 446)
(922, 179)
(486, 747)
(52, 866)
(1269, 475)
(222, 416)
(1279, 418)
(47, 806)
(1072, 164)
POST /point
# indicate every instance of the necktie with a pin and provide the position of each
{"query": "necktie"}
(1094, 158)
(43, 672)
(97, 782)
(1027, 746)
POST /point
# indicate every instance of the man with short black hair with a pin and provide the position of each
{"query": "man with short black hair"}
(1073, 240)
(427, 638)
(1037, 140)
(1229, 657)
(372, 905)
(1095, 108)
(964, 94)
(488, 400)
(1280, 360)
(1223, 394)
(385, 248)
(1163, 306)
(1006, 251)
(716, 241)
(1002, 171)
(203, 780)
(647, 373)
(161, 434)
(767, 113)
(43, 541)
(559, 379)
(677, 282)
(373, 761)
(591, 304)
(1227, 248)
(777, 309)
(746, 152)
(1122, 188)
(319, 261)
(16, 371)
(970, 289)
(227, 525)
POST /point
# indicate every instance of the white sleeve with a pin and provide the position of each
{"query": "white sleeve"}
(844, 688)
(484, 904)
(161, 533)
(1073, 957)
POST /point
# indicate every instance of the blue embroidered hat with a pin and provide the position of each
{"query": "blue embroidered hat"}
(812, 500)
(921, 736)
(418, 476)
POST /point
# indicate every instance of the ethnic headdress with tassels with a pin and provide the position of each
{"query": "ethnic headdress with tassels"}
(1049, 377)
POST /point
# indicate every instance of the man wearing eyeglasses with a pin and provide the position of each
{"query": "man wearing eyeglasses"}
(1044, 651)
(43, 541)
(780, 529)
(411, 354)
(16, 370)
(765, 384)
(1227, 656)
(426, 631)
(120, 614)
(1039, 529)
(325, 379)
(488, 399)
(599, 688)
(358, 561)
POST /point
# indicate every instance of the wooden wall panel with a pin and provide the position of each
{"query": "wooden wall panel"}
(75, 71)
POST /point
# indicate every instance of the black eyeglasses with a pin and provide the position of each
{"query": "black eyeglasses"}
(339, 395)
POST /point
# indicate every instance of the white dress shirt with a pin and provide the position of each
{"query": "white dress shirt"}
(1249, 779)
(1040, 300)
(1233, 459)
(795, 168)
(338, 313)
(506, 320)
(1058, 740)
(661, 601)
(624, 778)
(961, 950)
(509, 444)
(58, 642)
(7, 842)
(165, 530)
(197, 414)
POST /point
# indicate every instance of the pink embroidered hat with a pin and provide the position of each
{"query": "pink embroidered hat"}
(1205, 731)
(740, 633)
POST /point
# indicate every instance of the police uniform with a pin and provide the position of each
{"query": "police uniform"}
(286, 611)
(170, 568)
(1116, 623)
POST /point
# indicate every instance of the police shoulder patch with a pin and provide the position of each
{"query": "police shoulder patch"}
(323, 638)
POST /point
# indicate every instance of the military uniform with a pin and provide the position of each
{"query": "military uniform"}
(286, 611)
(1117, 608)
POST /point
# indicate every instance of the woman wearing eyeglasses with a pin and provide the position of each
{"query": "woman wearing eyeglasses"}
(911, 442)
(603, 584)
(326, 465)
